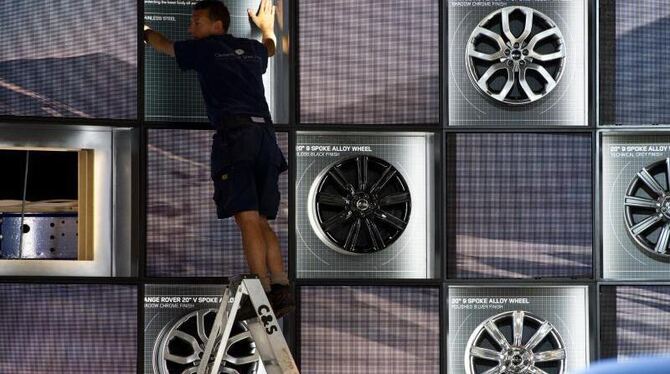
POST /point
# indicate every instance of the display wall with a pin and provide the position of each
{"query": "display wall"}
(453, 202)
(58, 60)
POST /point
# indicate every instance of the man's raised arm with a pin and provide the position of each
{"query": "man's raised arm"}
(265, 20)
(158, 41)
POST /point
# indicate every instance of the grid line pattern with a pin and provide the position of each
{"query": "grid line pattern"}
(523, 205)
(634, 71)
(80, 328)
(642, 321)
(60, 59)
(369, 62)
(175, 95)
(184, 236)
(369, 330)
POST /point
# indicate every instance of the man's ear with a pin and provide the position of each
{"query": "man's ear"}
(218, 27)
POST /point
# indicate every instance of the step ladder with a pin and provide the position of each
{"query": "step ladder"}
(264, 329)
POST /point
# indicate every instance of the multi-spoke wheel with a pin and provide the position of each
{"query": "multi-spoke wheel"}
(515, 55)
(647, 212)
(515, 343)
(360, 205)
(181, 344)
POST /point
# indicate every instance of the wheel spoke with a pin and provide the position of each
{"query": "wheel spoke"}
(555, 355)
(337, 220)
(331, 199)
(526, 87)
(542, 35)
(645, 224)
(662, 243)
(491, 35)
(200, 325)
(535, 370)
(375, 235)
(502, 95)
(352, 236)
(528, 27)
(487, 354)
(639, 202)
(547, 57)
(472, 52)
(388, 173)
(362, 166)
(390, 219)
(498, 336)
(540, 334)
(495, 370)
(505, 24)
(489, 73)
(340, 180)
(518, 317)
(551, 83)
(667, 172)
(651, 182)
(395, 198)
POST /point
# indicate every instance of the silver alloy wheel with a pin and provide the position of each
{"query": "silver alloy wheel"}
(359, 205)
(180, 345)
(515, 55)
(515, 342)
(647, 209)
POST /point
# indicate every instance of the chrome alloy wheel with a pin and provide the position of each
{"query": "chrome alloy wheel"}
(181, 344)
(359, 205)
(515, 55)
(515, 342)
(647, 209)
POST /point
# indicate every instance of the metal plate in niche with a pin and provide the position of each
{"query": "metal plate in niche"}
(45, 236)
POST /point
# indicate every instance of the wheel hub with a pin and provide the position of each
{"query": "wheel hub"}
(517, 360)
(664, 206)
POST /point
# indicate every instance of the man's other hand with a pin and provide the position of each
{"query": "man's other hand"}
(265, 17)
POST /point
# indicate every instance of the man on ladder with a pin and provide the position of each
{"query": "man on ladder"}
(246, 160)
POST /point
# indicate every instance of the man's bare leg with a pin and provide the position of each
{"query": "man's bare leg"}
(253, 240)
(273, 257)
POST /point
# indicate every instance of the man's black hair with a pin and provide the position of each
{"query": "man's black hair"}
(217, 11)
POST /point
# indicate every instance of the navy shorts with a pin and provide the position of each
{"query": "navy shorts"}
(246, 162)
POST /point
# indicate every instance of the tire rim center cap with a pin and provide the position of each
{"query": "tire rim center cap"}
(664, 206)
(517, 360)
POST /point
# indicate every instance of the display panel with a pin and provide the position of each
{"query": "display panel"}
(634, 321)
(40, 204)
(358, 67)
(634, 209)
(184, 236)
(362, 205)
(79, 329)
(634, 79)
(68, 59)
(517, 63)
(65, 202)
(374, 330)
(523, 329)
(522, 205)
(173, 95)
(178, 320)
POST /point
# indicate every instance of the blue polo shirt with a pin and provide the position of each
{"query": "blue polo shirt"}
(230, 71)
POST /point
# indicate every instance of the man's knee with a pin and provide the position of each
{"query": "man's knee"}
(247, 217)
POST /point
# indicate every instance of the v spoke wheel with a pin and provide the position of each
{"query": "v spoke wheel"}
(360, 205)
(515, 343)
(181, 344)
(647, 209)
(515, 55)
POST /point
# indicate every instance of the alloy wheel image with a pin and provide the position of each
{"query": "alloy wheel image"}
(181, 344)
(359, 205)
(647, 209)
(515, 55)
(515, 342)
